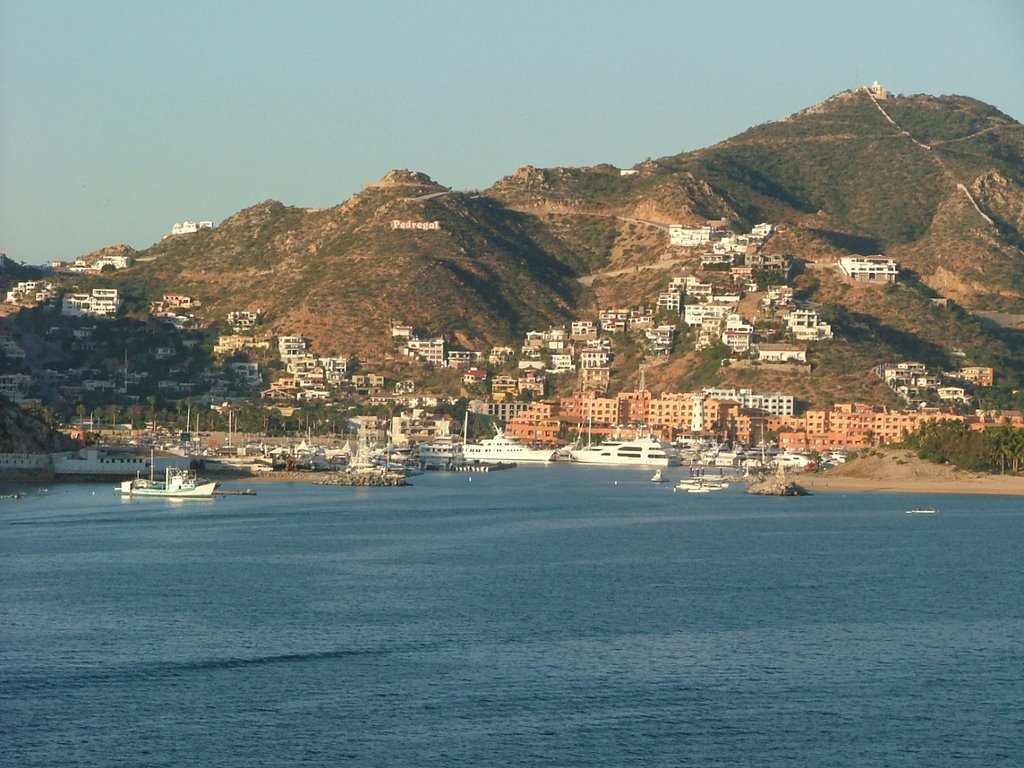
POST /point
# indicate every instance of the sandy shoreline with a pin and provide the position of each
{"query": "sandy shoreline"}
(900, 471)
(996, 485)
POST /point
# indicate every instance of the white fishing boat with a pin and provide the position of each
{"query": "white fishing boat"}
(177, 484)
(641, 452)
(923, 511)
(505, 449)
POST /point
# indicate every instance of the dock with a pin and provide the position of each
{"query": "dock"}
(484, 466)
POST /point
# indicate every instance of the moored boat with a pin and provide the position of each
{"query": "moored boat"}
(502, 448)
(641, 452)
(177, 484)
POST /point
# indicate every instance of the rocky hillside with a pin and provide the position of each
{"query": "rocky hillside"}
(934, 182)
(20, 432)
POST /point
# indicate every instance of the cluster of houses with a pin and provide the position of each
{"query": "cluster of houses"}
(914, 382)
(99, 302)
(31, 293)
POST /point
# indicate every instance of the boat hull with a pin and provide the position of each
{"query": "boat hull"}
(203, 491)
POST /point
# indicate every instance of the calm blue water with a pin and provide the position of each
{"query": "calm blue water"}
(558, 616)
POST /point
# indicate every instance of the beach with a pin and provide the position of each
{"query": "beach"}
(901, 471)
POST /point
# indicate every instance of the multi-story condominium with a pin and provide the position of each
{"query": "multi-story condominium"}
(671, 301)
(429, 350)
(503, 411)
(594, 358)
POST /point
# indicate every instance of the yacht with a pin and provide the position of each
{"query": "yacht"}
(641, 452)
(504, 449)
(440, 453)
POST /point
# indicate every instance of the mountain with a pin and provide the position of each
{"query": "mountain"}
(935, 182)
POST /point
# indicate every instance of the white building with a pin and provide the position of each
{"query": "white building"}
(689, 237)
(102, 302)
(807, 326)
(190, 227)
(429, 350)
(781, 353)
(877, 269)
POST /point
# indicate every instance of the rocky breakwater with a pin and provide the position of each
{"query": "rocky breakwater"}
(368, 479)
(775, 485)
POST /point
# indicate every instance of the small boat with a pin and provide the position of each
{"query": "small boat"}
(657, 477)
(923, 511)
(177, 484)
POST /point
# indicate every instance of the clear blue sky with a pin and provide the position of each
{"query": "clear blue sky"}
(118, 119)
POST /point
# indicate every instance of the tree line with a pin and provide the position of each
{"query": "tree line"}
(994, 449)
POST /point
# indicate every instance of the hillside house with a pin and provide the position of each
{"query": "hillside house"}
(474, 376)
(698, 314)
(978, 375)
(500, 355)
(805, 325)
(872, 269)
(582, 330)
(781, 353)
(660, 339)
(690, 237)
(460, 358)
(503, 387)
(190, 227)
(292, 346)
(613, 320)
(737, 334)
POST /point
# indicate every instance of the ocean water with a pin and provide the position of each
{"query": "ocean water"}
(548, 616)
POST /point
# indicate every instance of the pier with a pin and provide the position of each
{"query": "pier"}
(484, 467)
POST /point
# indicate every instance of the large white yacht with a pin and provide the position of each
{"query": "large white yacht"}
(503, 448)
(641, 452)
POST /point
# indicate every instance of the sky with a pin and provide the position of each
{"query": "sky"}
(120, 118)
